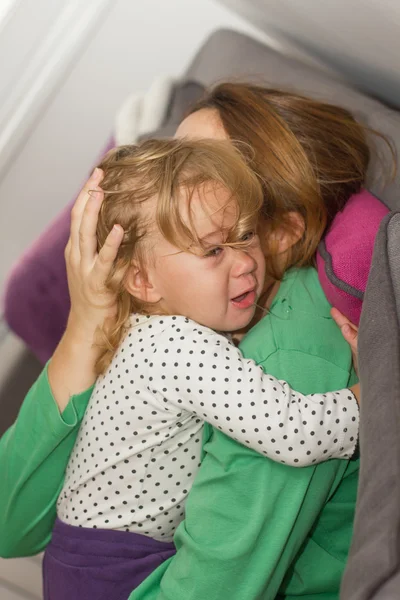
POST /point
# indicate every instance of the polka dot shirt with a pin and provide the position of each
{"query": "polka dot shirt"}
(138, 449)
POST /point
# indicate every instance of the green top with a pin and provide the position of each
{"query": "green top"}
(34, 454)
(241, 540)
(254, 528)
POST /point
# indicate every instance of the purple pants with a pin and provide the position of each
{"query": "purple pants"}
(98, 564)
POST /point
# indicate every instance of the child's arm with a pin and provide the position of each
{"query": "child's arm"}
(199, 371)
(349, 332)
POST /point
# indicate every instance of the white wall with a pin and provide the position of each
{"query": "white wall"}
(133, 42)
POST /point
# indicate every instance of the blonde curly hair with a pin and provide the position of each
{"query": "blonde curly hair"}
(146, 186)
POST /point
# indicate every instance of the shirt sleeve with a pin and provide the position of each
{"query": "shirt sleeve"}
(199, 371)
(34, 453)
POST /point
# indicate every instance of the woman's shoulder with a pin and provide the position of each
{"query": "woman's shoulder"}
(298, 321)
(299, 298)
(301, 291)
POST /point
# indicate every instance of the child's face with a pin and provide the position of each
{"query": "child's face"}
(217, 286)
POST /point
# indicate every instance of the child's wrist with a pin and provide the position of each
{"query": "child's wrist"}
(355, 389)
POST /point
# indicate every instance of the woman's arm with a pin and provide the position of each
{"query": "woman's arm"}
(72, 367)
(33, 456)
(34, 452)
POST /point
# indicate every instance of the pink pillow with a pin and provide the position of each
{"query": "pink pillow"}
(344, 255)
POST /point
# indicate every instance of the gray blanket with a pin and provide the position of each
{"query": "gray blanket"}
(373, 571)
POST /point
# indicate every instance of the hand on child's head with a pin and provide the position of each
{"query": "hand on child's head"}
(87, 269)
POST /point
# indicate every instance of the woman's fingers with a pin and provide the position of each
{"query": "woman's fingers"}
(79, 207)
(107, 255)
(87, 231)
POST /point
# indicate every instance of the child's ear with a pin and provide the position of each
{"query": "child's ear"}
(138, 285)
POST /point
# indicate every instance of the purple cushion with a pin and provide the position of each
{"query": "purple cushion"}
(344, 256)
(36, 301)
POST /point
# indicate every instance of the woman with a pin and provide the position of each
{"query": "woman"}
(291, 121)
(254, 529)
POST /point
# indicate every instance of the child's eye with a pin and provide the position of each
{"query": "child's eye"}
(213, 252)
(247, 237)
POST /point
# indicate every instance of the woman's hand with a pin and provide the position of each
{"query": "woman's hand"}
(72, 367)
(349, 332)
(88, 270)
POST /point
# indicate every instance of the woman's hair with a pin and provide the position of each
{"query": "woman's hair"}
(148, 190)
(311, 157)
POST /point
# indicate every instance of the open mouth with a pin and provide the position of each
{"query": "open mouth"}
(245, 300)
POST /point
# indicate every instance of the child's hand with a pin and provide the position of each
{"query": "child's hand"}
(87, 269)
(349, 332)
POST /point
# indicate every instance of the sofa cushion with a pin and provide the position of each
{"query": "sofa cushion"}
(345, 254)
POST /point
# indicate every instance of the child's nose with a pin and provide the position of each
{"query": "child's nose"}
(244, 263)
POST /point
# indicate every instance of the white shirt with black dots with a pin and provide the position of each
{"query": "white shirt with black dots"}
(139, 446)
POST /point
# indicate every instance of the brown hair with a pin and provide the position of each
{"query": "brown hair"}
(144, 191)
(311, 157)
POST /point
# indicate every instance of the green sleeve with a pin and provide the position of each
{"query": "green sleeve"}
(34, 453)
(246, 516)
